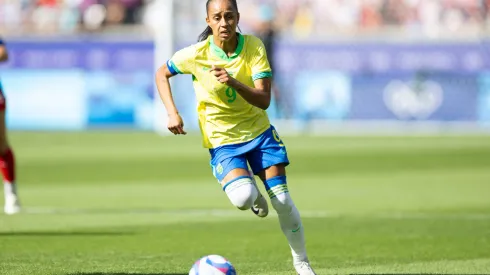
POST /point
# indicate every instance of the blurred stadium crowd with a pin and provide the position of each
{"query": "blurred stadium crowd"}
(301, 18)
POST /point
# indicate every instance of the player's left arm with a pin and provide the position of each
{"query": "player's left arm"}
(259, 95)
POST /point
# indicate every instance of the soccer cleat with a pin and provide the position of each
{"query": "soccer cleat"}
(260, 208)
(304, 268)
(12, 205)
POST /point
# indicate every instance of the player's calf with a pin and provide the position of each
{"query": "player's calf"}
(279, 194)
(7, 168)
(290, 222)
(12, 205)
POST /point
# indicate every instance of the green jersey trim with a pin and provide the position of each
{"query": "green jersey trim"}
(221, 54)
(262, 75)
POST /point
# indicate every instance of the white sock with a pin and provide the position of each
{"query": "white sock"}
(242, 192)
(291, 226)
(9, 189)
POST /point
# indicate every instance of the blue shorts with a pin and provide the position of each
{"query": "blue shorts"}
(262, 152)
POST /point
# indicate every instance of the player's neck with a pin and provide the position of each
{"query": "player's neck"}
(229, 46)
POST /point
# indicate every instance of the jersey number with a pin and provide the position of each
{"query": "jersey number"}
(277, 138)
(231, 94)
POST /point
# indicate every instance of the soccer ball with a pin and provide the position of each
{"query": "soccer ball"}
(212, 265)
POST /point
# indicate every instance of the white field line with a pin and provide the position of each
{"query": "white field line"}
(237, 213)
(430, 267)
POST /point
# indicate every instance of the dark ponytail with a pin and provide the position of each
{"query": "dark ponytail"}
(204, 35)
(208, 31)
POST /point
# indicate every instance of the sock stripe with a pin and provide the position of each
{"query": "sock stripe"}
(276, 190)
(234, 180)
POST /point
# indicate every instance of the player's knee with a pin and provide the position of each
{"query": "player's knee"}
(241, 192)
(282, 203)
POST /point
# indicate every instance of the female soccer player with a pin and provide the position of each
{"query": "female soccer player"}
(231, 77)
(7, 162)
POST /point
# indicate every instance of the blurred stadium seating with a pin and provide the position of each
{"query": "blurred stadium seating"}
(353, 61)
(305, 19)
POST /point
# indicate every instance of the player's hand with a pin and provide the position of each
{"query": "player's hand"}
(222, 75)
(176, 124)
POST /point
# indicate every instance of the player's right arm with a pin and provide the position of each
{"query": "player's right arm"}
(175, 122)
(182, 62)
(4, 56)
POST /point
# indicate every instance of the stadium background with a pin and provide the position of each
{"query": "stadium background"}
(103, 194)
(373, 62)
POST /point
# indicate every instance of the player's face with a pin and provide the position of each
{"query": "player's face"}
(223, 19)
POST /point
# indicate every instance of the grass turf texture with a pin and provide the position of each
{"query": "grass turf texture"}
(135, 203)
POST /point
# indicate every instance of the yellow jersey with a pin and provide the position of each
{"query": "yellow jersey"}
(224, 116)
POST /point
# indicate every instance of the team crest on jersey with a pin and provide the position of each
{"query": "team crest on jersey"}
(219, 169)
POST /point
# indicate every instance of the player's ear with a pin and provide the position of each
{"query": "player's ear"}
(207, 20)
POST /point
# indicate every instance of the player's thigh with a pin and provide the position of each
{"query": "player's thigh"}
(230, 168)
(270, 158)
(272, 172)
(235, 173)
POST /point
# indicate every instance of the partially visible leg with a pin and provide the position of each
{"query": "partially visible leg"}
(260, 207)
(275, 182)
(231, 170)
(240, 189)
(7, 166)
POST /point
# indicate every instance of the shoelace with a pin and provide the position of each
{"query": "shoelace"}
(305, 265)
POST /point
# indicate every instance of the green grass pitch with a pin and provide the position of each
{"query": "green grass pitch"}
(102, 203)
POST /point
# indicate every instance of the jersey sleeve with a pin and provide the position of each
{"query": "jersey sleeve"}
(260, 64)
(183, 61)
